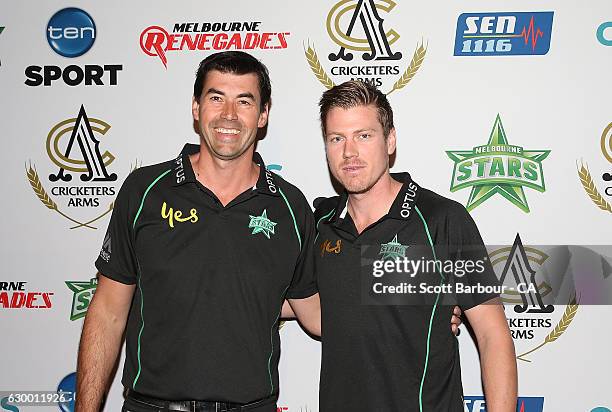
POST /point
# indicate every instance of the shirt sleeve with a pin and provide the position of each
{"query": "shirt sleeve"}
(117, 259)
(303, 283)
(472, 268)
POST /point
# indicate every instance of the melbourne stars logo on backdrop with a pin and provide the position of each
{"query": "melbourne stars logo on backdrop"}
(498, 167)
(601, 197)
(534, 320)
(82, 294)
(80, 180)
(364, 47)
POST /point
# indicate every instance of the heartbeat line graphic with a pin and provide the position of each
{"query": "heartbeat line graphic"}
(533, 33)
(523, 402)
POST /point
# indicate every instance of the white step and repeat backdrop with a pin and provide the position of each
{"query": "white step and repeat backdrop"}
(454, 71)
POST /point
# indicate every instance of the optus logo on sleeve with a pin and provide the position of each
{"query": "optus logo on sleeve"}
(503, 34)
(71, 32)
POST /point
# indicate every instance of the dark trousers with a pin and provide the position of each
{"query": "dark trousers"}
(135, 402)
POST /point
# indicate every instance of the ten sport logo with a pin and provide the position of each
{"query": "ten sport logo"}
(503, 34)
(156, 41)
(71, 32)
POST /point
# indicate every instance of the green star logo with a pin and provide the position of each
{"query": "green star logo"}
(498, 167)
(83, 293)
(261, 224)
(392, 250)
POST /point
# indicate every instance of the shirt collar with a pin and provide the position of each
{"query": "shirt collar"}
(402, 207)
(266, 183)
(183, 171)
(181, 166)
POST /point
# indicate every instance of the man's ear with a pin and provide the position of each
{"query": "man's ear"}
(391, 142)
(263, 116)
(195, 109)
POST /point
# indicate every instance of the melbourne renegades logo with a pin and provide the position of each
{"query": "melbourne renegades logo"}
(156, 41)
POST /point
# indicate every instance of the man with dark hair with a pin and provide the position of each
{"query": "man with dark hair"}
(200, 253)
(393, 352)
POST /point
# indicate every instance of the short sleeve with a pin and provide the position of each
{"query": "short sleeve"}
(473, 269)
(117, 259)
(303, 283)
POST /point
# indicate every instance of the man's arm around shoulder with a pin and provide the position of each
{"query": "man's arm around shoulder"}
(307, 311)
(101, 341)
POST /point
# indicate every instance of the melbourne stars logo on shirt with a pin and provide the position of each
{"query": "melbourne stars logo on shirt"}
(261, 224)
(392, 250)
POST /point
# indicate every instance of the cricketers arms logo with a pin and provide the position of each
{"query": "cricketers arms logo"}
(261, 224)
(533, 320)
(498, 167)
(358, 29)
(601, 197)
(82, 294)
(73, 147)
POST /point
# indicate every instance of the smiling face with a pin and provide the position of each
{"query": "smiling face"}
(229, 113)
(356, 148)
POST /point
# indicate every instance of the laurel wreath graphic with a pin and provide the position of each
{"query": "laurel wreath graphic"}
(325, 80)
(46, 200)
(413, 68)
(560, 328)
(317, 68)
(589, 187)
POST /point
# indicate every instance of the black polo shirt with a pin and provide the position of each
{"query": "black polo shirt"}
(210, 280)
(379, 356)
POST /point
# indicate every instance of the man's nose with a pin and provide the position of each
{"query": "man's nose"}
(229, 111)
(349, 149)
